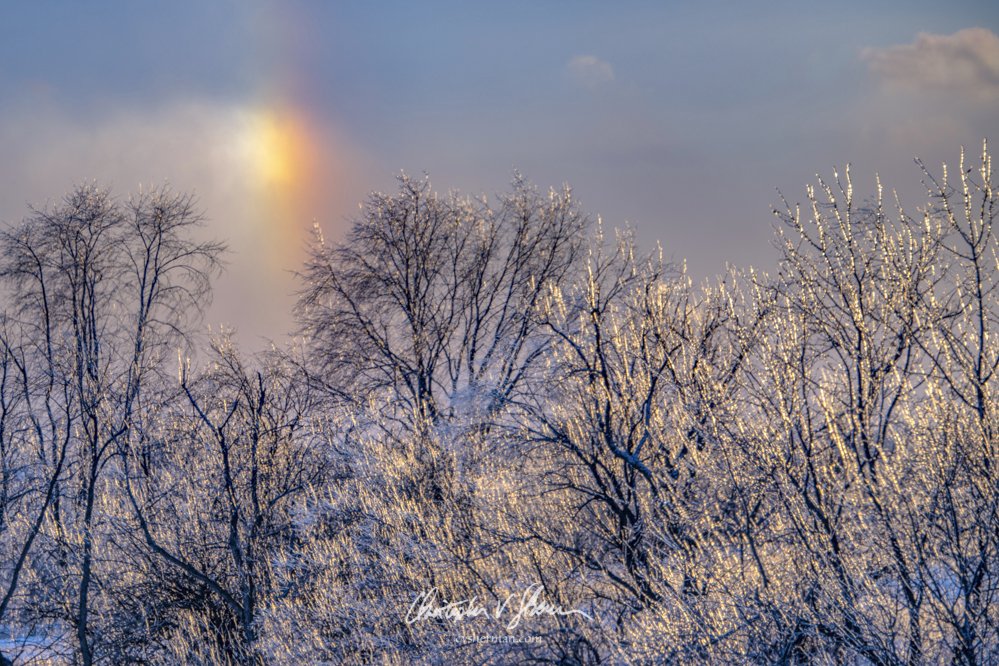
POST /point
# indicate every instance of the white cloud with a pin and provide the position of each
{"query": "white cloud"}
(965, 63)
(589, 71)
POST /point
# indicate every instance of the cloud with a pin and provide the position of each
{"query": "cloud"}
(589, 71)
(965, 63)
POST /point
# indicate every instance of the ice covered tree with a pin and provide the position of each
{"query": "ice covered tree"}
(100, 291)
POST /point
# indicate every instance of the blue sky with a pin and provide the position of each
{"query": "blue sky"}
(676, 118)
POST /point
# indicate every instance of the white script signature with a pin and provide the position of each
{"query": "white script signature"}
(429, 605)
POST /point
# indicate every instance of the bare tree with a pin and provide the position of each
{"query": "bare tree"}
(790, 468)
(237, 456)
(960, 567)
(108, 287)
(432, 296)
(35, 419)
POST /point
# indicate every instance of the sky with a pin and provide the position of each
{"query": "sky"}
(681, 120)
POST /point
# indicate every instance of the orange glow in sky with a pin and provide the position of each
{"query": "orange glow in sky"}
(281, 151)
(289, 169)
